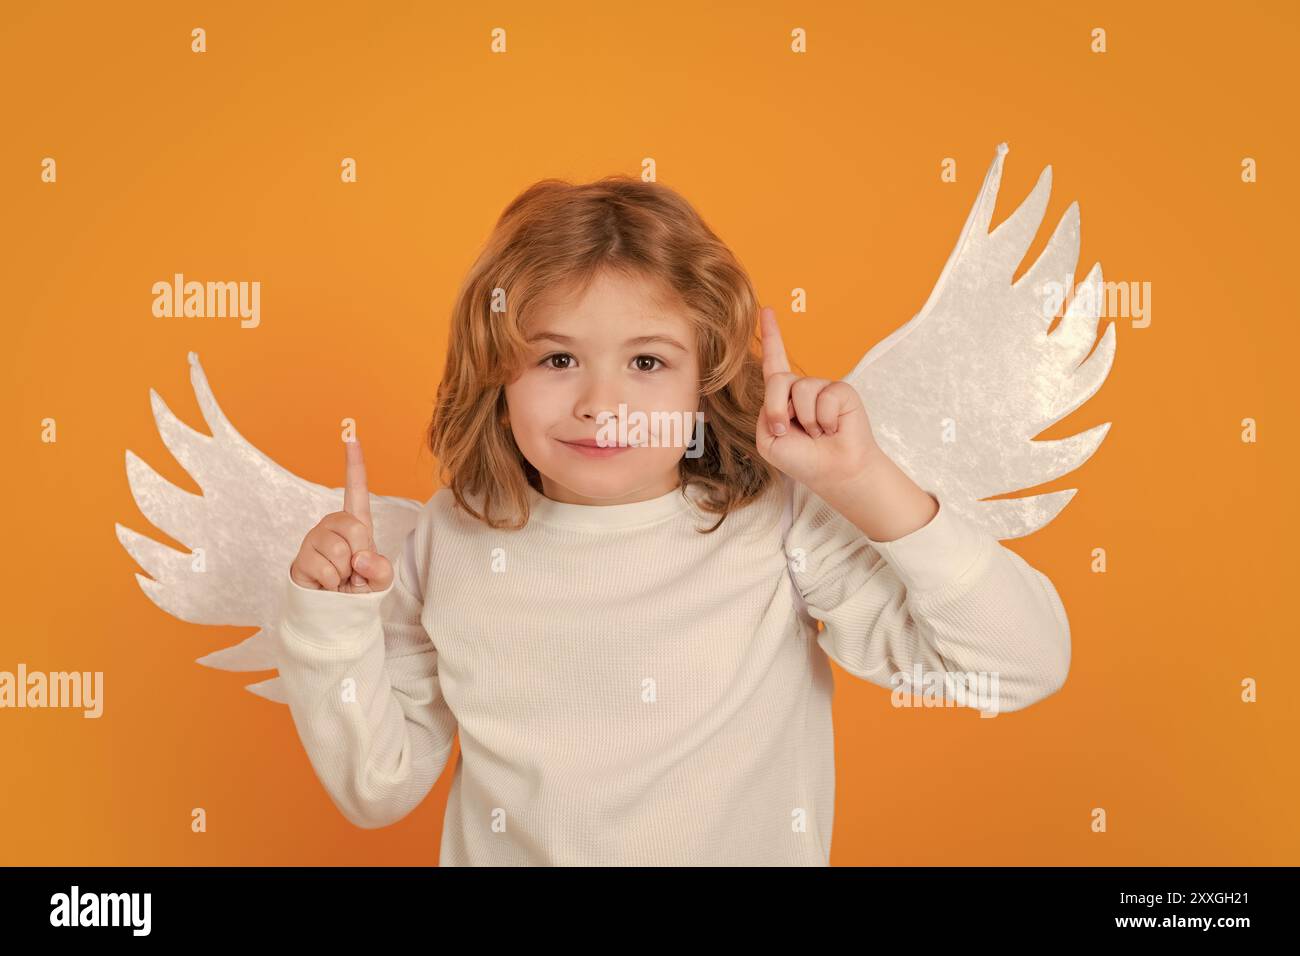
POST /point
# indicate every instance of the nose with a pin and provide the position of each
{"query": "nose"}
(600, 392)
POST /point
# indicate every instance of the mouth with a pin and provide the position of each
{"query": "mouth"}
(588, 448)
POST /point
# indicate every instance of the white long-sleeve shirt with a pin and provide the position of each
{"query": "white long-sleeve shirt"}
(630, 692)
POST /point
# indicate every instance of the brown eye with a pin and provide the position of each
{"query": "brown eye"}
(651, 358)
(556, 355)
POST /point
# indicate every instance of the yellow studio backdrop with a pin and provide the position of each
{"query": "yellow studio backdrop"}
(814, 139)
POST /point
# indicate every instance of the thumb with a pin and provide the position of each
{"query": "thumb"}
(373, 568)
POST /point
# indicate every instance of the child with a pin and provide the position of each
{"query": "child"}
(630, 686)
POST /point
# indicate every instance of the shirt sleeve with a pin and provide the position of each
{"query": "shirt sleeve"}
(360, 674)
(946, 606)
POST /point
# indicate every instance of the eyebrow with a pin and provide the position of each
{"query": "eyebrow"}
(639, 340)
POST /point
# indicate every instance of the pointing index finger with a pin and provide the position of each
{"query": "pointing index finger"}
(356, 499)
(774, 359)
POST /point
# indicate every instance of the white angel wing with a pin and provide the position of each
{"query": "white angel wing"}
(956, 395)
(244, 531)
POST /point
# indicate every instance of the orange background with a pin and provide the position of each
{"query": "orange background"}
(822, 172)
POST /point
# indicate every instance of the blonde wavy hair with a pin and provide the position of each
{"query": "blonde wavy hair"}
(557, 237)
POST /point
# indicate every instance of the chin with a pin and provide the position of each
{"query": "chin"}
(597, 486)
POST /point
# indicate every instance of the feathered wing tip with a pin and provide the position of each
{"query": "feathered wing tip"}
(242, 531)
(254, 653)
(271, 689)
(957, 394)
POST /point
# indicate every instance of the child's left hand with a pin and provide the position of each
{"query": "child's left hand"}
(827, 435)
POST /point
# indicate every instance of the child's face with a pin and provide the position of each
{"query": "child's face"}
(567, 382)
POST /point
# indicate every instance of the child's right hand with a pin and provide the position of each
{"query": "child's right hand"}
(339, 553)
